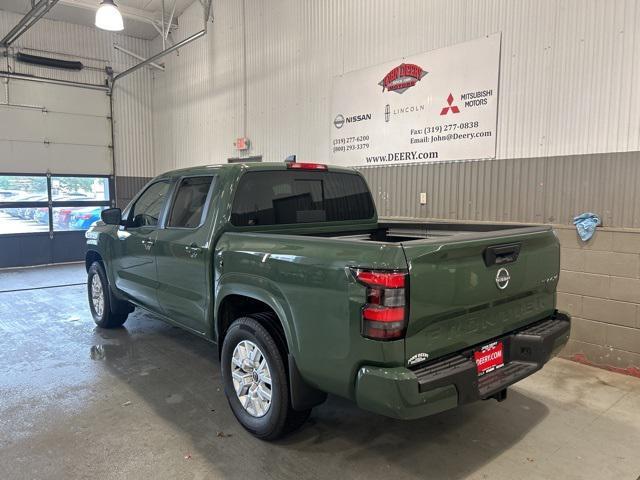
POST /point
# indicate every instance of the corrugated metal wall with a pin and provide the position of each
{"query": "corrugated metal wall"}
(197, 101)
(540, 190)
(569, 85)
(94, 48)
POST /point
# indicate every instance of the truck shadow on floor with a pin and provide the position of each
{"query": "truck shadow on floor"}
(178, 376)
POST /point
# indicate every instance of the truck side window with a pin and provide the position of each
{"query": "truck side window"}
(189, 204)
(146, 210)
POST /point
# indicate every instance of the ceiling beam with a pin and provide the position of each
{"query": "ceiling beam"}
(159, 55)
(139, 57)
(38, 10)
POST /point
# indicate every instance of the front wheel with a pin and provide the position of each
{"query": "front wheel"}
(256, 382)
(100, 300)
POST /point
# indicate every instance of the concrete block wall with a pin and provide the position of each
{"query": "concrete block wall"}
(600, 286)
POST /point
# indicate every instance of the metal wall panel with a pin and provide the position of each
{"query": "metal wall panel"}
(568, 86)
(94, 48)
(197, 100)
(540, 190)
(568, 80)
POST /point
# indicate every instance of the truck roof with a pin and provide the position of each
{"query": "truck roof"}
(252, 166)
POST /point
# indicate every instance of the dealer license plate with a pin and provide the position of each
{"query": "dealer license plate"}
(489, 357)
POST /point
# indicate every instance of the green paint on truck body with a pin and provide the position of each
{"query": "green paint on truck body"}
(304, 273)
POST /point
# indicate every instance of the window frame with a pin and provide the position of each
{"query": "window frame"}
(50, 204)
(174, 196)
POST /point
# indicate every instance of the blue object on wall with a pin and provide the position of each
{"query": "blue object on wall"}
(586, 224)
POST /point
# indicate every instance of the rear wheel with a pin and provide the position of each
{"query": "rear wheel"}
(104, 313)
(256, 382)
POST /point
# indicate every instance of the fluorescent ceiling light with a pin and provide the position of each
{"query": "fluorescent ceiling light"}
(108, 17)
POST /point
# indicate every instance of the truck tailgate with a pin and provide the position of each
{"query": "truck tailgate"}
(456, 299)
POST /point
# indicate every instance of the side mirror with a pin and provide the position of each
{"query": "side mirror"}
(111, 216)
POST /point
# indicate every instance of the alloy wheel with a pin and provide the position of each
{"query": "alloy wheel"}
(251, 378)
(97, 295)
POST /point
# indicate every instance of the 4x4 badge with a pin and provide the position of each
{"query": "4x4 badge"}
(502, 278)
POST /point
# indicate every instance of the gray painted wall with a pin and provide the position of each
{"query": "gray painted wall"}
(540, 190)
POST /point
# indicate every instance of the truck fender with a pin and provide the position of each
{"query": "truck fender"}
(303, 395)
(263, 290)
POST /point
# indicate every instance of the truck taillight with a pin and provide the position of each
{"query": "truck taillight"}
(384, 316)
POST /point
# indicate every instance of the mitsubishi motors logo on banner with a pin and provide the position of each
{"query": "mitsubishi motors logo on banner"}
(453, 108)
(436, 106)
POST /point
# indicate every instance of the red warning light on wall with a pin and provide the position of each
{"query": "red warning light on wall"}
(242, 143)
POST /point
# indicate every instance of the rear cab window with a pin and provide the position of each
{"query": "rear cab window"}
(292, 197)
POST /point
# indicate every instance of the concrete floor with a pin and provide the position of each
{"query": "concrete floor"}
(12, 279)
(145, 402)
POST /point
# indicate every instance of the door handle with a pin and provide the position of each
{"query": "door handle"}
(193, 250)
(147, 243)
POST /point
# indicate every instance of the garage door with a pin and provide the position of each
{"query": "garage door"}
(55, 170)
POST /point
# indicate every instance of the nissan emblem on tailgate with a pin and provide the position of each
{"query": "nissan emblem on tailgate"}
(502, 278)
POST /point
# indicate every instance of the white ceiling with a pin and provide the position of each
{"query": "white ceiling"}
(82, 12)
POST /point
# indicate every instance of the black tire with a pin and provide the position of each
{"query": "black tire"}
(279, 418)
(109, 316)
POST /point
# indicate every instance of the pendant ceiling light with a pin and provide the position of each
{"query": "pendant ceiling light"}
(108, 17)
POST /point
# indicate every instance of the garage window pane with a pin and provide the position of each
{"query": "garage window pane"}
(83, 189)
(22, 188)
(23, 220)
(75, 218)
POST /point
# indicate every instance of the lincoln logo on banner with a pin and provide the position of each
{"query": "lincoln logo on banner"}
(402, 77)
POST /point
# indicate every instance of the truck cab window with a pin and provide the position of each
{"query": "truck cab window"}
(147, 209)
(287, 197)
(189, 204)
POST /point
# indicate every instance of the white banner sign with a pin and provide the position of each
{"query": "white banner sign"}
(436, 106)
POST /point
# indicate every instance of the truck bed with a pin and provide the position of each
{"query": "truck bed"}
(401, 231)
(455, 299)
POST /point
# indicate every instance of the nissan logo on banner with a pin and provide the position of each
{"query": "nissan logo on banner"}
(340, 119)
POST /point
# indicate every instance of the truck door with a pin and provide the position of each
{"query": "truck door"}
(133, 258)
(183, 254)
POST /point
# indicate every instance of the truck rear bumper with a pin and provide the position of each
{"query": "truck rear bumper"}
(447, 383)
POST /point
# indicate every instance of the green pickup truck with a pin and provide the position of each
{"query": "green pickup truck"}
(287, 268)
